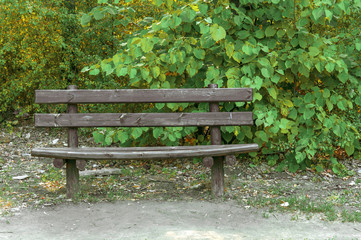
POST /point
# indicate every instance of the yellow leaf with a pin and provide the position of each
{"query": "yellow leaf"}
(195, 7)
(288, 103)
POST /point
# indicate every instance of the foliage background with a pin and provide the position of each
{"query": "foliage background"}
(302, 58)
(44, 46)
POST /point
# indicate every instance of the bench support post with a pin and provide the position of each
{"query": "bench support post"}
(72, 172)
(217, 169)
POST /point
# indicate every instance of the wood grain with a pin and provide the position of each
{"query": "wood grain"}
(72, 172)
(145, 95)
(129, 153)
(217, 168)
(144, 119)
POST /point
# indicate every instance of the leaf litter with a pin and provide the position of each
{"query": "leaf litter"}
(32, 182)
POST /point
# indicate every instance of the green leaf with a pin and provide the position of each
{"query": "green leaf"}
(343, 76)
(94, 72)
(247, 49)
(146, 44)
(133, 73)
(122, 71)
(203, 8)
(326, 93)
(275, 78)
(159, 106)
(341, 105)
(229, 49)
(263, 136)
(233, 73)
(329, 105)
(339, 130)
(217, 32)
(309, 97)
(85, 19)
(308, 114)
(264, 62)
(300, 157)
(358, 100)
(284, 123)
(98, 137)
(259, 34)
(122, 136)
(237, 56)
(270, 31)
(136, 132)
(188, 15)
(349, 148)
(98, 14)
(199, 53)
(317, 13)
(358, 46)
(329, 15)
(330, 67)
(108, 140)
(204, 28)
(243, 34)
(265, 73)
(272, 92)
(157, 132)
(258, 82)
(156, 71)
(314, 51)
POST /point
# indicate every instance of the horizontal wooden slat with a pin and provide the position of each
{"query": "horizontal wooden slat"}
(144, 119)
(145, 95)
(144, 152)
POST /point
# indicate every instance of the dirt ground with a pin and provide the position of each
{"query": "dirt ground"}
(170, 200)
(166, 220)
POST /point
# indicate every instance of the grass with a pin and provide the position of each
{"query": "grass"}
(331, 207)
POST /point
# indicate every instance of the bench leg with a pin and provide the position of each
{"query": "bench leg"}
(217, 177)
(72, 178)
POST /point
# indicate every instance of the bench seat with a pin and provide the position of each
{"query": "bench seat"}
(130, 153)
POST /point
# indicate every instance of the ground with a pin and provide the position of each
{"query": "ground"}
(169, 199)
(167, 220)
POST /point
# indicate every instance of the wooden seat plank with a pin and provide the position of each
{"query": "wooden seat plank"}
(130, 153)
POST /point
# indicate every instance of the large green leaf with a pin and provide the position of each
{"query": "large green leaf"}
(217, 32)
(85, 19)
(146, 44)
(199, 53)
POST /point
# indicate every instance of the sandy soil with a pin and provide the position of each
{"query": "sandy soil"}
(166, 220)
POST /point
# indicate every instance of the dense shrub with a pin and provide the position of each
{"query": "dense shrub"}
(302, 58)
(44, 46)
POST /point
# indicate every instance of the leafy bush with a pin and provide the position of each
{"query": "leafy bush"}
(301, 57)
(43, 46)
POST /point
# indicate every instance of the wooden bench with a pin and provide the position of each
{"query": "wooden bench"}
(213, 155)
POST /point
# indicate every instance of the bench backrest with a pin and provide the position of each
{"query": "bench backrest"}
(213, 95)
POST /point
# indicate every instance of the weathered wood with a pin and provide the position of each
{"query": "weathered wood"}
(217, 170)
(145, 95)
(80, 164)
(72, 172)
(214, 154)
(145, 119)
(58, 163)
(208, 161)
(127, 153)
(231, 160)
(72, 178)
